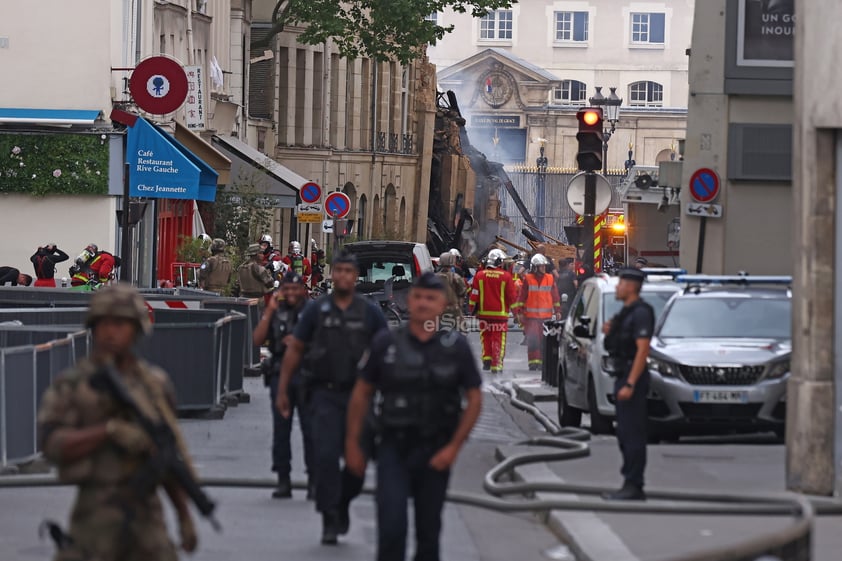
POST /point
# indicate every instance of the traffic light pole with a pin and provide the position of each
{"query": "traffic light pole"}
(588, 224)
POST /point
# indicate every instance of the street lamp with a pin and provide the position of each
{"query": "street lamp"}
(611, 109)
(541, 164)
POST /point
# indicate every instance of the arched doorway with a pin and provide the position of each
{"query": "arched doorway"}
(376, 219)
(389, 216)
(403, 227)
(361, 221)
(664, 156)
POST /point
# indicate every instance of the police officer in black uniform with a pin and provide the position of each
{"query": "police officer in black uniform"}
(276, 329)
(422, 376)
(627, 342)
(334, 330)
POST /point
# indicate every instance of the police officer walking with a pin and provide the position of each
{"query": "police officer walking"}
(101, 448)
(627, 341)
(422, 376)
(335, 330)
(278, 322)
(215, 272)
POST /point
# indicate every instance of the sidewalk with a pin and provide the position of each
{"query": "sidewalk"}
(735, 464)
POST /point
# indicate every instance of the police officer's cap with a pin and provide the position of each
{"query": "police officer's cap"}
(632, 274)
(346, 258)
(291, 277)
(429, 281)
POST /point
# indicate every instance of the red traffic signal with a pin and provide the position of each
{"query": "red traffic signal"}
(590, 137)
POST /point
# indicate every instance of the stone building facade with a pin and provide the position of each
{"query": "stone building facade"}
(359, 126)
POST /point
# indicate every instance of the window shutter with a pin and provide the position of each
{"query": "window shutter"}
(580, 26)
(656, 28)
(260, 78)
(759, 152)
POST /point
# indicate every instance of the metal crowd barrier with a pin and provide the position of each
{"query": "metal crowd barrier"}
(203, 350)
(251, 308)
(25, 373)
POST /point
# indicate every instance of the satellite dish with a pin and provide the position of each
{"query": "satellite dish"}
(644, 181)
(576, 194)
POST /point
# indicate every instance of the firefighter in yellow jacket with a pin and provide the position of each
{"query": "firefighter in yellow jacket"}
(538, 302)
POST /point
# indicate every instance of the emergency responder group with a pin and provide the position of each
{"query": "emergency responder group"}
(330, 359)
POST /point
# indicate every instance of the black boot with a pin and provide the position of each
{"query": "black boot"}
(629, 492)
(344, 519)
(284, 490)
(486, 365)
(330, 528)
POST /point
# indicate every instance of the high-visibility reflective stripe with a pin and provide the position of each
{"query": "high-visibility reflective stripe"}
(493, 313)
(536, 288)
(539, 310)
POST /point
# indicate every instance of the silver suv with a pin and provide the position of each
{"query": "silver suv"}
(583, 384)
(720, 356)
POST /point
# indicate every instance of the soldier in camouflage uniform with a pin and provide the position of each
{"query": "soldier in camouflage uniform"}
(253, 279)
(98, 447)
(215, 272)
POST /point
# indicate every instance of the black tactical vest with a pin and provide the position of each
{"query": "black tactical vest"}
(620, 341)
(338, 344)
(283, 324)
(419, 391)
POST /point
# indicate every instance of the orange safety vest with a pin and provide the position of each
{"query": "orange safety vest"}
(539, 299)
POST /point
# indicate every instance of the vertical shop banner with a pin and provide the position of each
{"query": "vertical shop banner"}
(195, 104)
(766, 33)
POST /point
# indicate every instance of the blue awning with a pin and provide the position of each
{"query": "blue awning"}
(49, 116)
(163, 168)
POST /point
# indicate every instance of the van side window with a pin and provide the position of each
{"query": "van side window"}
(580, 304)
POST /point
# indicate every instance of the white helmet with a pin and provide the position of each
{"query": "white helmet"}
(295, 248)
(495, 258)
(455, 253)
(538, 259)
(204, 237)
(266, 238)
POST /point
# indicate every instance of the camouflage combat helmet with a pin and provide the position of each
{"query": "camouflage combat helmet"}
(253, 250)
(119, 300)
(218, 245)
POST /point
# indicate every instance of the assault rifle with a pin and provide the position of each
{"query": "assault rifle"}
(166, 462)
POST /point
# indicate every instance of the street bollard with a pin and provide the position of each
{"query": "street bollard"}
(552, 336)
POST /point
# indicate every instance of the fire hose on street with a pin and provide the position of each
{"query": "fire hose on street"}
(790, 544)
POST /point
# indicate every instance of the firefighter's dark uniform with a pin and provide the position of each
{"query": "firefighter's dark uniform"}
(633, 322)
(421, 387)
(336, 341)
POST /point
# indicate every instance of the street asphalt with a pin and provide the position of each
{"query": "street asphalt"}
(257, 527)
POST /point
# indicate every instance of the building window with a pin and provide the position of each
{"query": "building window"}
(496, 26)
(571, 92)
(571, 27)
(646, 94)
(434, 17)
(647, 28)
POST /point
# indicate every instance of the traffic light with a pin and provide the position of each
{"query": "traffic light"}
(589, 156)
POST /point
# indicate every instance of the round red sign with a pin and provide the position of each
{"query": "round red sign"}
(158, 85)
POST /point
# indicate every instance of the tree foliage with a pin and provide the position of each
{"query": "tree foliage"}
(379, 29)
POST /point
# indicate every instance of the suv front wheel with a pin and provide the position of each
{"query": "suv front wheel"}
(567, 416)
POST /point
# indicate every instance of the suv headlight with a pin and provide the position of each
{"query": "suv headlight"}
(777, 369)
(663, 367)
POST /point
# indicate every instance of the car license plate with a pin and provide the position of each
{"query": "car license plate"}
(720, 396)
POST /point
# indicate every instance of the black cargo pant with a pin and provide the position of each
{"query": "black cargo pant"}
(631, 429)
(335, 486)
(282, 428)
(403, 472)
